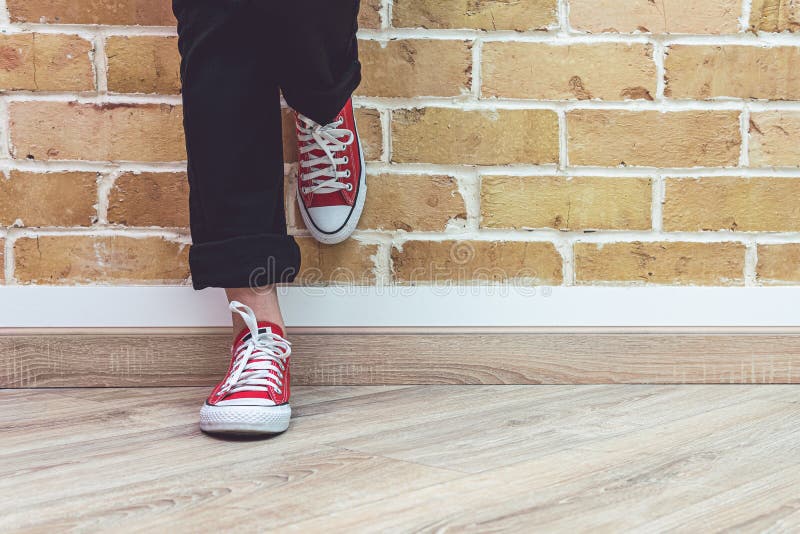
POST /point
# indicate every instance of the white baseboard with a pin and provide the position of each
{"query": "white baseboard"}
(396, 306)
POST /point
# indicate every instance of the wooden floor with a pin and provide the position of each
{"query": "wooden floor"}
(606, 458)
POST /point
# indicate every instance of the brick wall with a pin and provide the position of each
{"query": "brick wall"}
(561, 141)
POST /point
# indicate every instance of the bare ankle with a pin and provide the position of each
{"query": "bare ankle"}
(262, 300)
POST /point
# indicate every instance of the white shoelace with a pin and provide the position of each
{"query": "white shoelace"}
(259, 362)
(330, 139)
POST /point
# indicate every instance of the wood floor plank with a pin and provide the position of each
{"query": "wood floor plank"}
(259, 493)
(605, 458)
(762, 504)
(556, 489)
(119, 360)
(520, 426)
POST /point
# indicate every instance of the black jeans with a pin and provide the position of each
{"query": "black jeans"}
(236, 58)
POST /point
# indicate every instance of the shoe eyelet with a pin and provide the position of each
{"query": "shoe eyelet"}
(347, 173)
(346, 160)
(349, 187)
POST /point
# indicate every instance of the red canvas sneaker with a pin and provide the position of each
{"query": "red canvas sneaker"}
(331, 183)
(253, 398)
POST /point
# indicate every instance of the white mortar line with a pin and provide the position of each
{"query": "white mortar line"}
(8, 259)
(564, 17)
(744, 19)
(466, 103)
(92, 29)
(659, 58)
(777, 238)
(456, 170)
(657, 207)
(453, 169)
(93, 98)
(399, 237)
(381, 258)
(601, 236)
(744, 127)
(381, 261)
(174, 235)
(469, 186)
(100, 64)
(477, 68)
(763, 40)
(105, 183)
(461, 102)
(755, 172)
(11, 237)
(386, 14)
(553, 170)
(557, 36)
(89, 166)
(5, 131)
(750, 263)
(5, 20)
(563, 141)
(566, 248)
(720, 236)
(386, 132)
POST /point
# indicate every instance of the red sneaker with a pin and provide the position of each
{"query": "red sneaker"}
(331, 182)
(253, 398)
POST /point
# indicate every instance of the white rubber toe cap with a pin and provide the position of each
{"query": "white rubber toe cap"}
(330, 218)
(245, 419)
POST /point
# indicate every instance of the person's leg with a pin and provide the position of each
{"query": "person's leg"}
(319, 72)
(319, 67)
(232, 119)
(263, 301)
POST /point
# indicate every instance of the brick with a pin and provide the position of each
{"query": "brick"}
(369, 15)
(293, 218)
(415, 67)
(482, 261)
(607, 71)
(744, 204)
(48, 199)
(289, 136)
(143, 65)
(45, 62)
(150, 199)
(677, 263)
(649, 16)
(111, 132)
(411, 203)
(369, 130)
(652, 138)
(446, 135)
(778, 263)
(65, 260)
(349, 262)
(579, 203)
(399, 202)
(482, 15)
(124, 12)
(775, 16)
(703, 72)
(773, 139)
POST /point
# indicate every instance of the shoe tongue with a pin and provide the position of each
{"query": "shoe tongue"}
(264, 327)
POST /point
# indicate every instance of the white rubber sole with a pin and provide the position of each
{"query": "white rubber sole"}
(245, 419)
(358, 208)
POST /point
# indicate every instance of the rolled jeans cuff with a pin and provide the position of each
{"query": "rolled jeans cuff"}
(247, 261)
